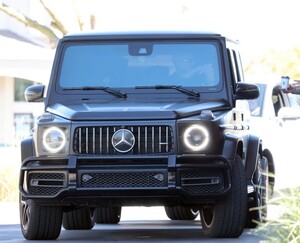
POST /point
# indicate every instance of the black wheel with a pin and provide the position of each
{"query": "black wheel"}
(257, 208)
(226, 218)
(107, 215)
(39, 222)
(78, 219)
(181, 213)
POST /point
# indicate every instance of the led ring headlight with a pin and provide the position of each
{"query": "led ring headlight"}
(54, 139)
(196, 137)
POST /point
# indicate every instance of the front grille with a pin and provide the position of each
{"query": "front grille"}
(148, 140)
(44, 183)
(142, 179)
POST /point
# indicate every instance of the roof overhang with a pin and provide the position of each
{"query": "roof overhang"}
(24, 60)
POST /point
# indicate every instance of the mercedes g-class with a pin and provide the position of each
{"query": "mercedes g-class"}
(143, 119)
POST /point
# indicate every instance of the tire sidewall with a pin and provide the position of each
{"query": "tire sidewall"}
(43, 222)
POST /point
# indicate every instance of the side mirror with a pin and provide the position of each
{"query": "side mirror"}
(35, 93)
(246, 91)
(288, 113)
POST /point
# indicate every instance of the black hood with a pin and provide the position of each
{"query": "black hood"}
(134, 111)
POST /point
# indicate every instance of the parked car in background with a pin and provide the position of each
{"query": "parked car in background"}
(276, 117)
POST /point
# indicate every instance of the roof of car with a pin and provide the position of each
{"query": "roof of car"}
(140, 32)
(145, 33)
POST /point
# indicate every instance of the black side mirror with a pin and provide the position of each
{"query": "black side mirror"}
(246, 91)
(35, 93)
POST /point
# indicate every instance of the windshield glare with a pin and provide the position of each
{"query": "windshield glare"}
(129, 65)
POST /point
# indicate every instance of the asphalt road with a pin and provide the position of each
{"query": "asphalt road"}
(131, 231)
(138, 224)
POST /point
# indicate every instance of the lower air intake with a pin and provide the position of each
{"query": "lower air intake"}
(157, 179)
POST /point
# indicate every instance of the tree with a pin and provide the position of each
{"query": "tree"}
(280, 62)
(56, 27)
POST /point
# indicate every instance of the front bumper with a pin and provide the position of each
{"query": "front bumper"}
(93, 180)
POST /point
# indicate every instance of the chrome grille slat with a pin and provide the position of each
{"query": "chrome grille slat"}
(100, 140)
(153, 142)
(159, 139)
(154, 139)
(80, 143)
(94, 141)
(139, 140)
(87, 140)
(167, 135)
(146, 140)
(107, 139)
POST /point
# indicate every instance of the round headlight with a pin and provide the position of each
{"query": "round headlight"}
(54, 139)
(196, 137)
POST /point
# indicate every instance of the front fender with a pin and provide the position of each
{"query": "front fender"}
(27, 148)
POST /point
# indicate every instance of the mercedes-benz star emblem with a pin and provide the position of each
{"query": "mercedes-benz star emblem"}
(123, 140)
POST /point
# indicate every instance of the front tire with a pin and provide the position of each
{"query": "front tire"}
(226, 218)
(78, 219)
(107, 215)
(39, 222)
(181, 213)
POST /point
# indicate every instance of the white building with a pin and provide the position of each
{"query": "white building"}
(23, 62)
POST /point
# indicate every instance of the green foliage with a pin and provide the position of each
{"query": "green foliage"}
(281, 62)
(286, 227)
(9, 177)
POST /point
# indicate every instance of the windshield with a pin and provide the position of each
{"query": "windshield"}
(131, 64)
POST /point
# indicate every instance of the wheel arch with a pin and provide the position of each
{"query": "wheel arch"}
(233, 146)
(254, 148)
(271, 165)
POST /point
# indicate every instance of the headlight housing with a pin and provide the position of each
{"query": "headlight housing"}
(51, 135)
(54, 140)
(201, 137)
(196, 138)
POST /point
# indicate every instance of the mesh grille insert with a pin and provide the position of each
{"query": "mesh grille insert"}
(202, 181)
(124, 180)
(41, 183)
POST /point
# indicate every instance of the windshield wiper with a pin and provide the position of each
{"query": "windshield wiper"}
(178, 88)
(106, 89)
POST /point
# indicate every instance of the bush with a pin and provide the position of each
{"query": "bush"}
(286, 227)
(9, 177)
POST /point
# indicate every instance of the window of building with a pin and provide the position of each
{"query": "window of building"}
(23, 124)
(19, 88)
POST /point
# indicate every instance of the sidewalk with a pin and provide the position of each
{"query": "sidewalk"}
(9, 212)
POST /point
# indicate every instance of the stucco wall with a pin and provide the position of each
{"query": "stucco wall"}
(6, 114)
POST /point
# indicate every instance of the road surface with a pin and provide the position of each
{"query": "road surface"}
(131, 231)
(138, 224)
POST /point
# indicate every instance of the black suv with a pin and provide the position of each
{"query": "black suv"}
(143, 119)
